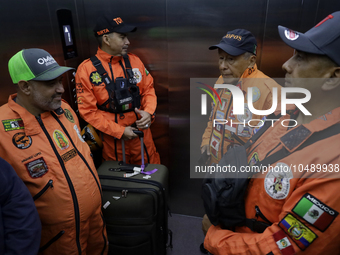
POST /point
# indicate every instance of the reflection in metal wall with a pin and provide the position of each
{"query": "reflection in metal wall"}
(172, 40)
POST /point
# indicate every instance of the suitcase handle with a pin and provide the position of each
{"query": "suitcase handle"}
(139, 133)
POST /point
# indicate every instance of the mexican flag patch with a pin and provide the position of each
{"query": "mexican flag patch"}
(315, 212)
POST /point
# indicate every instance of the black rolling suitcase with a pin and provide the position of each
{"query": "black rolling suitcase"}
(135, 208)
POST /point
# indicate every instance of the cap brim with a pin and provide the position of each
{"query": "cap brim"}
(53, 73)
(298, 41)
(126, 29)
(231, 50)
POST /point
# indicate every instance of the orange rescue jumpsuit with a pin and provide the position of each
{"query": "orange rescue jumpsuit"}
(91, 92)
(55, 163)
(302, 204)
(220, 137)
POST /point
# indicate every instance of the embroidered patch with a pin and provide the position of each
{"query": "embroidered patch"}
(13, 124)
(300, 233)
(246, 116)
(37, 168)
(244, 131)
(231, 114)
(315, 212)
(283, 243)
(224, 103)
(137, 74)
(147, 72)
(256, 94)
(21, 141)
(68, 115)
(259, 125)
(60, 140)
(95, 78)
(291, 35)
(215, 144)
(254, 159)
(69, 155)
(277, 181)
(80, 100)
(79, 88)
(295, 137)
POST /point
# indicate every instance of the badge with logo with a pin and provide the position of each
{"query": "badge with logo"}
(244, 131)
(291, 35)
(283, 243)
(300, 233)
(277, 181)
(68, 115)
(13, 124)
(315, 212)
(246, 116)
(69, 155)
(137, 74)
(60, 140)
(95, 78)
(37, 168)
(21, 141)
(80, 100)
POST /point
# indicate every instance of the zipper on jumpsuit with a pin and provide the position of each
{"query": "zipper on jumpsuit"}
(94, 177)
(73, 193)
(48, 185)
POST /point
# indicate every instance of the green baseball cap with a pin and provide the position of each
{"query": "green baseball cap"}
(34, 64)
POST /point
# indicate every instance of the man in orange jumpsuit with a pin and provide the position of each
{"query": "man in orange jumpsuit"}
(95, 96)
(237, 64)
(300, 200)
(40, 138)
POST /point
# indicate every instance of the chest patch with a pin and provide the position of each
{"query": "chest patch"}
(13, 124)
(277, 181)
(69, 115)
(37, 168)
(137, 74)
(95, 78)
(21, 141)
(60, 140)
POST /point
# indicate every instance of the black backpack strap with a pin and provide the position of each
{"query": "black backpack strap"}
(102, 72)
(317, 136)
(129, 71)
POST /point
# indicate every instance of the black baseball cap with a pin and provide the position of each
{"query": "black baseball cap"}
(34, 64)
(323, 39)
(237, 42)
(107, 24)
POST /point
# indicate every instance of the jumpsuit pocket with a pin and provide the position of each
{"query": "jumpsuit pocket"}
(44, 189)
(54, 239)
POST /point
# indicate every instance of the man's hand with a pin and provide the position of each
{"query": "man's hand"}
(129, 134)
(205, 148)
(145, 121)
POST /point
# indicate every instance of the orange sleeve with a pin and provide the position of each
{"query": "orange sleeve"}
(87, 105)
(325, 241)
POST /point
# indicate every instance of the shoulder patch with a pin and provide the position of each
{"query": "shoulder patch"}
(277, 181)
(282, 241)
(13, 124)
(146, 71)
(69, 115)
(315, 212)
(300, 233)
(21, 141)
(37, 168)
(95, 78)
